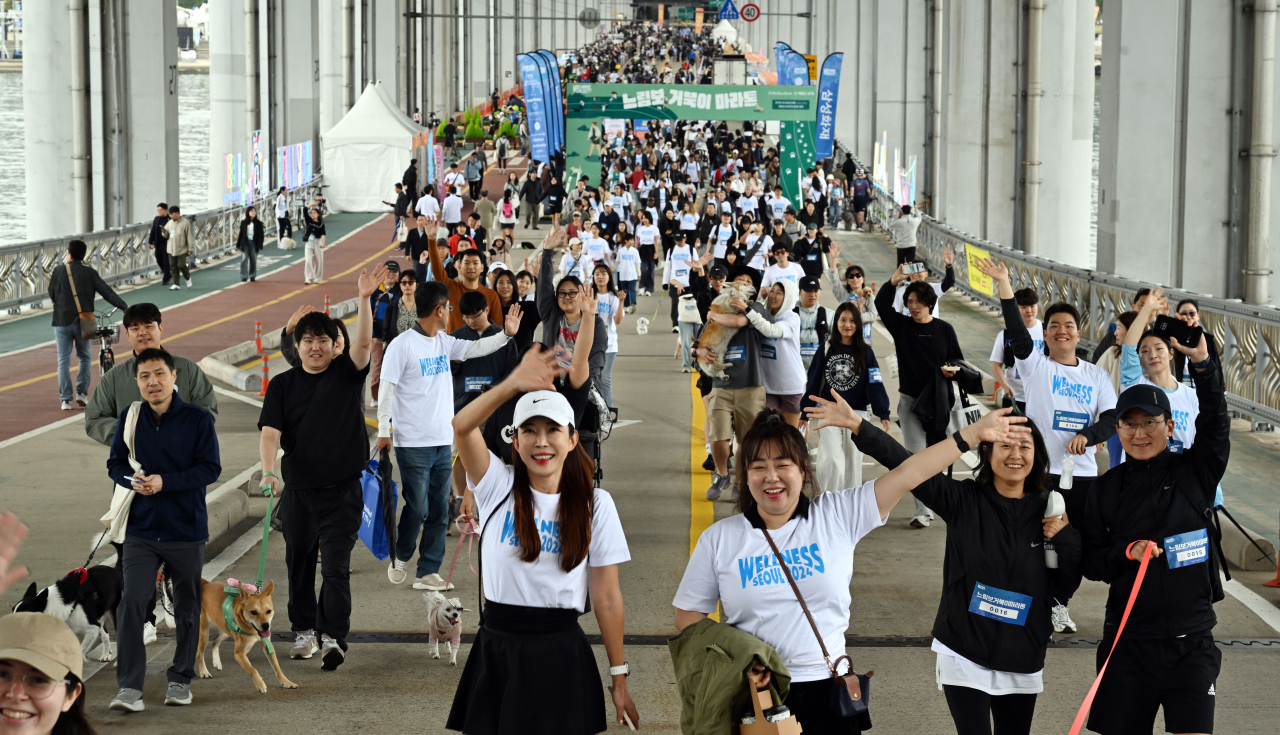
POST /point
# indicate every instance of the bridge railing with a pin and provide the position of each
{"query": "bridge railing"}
(121, 255)
(1248, 335)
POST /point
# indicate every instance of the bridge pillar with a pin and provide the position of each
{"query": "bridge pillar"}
(227, 123)
(900, 80)
(46, 101)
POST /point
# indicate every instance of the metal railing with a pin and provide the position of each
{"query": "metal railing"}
(121, 256)
(1247, 335)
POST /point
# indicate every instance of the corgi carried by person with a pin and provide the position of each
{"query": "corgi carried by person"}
(245, 619)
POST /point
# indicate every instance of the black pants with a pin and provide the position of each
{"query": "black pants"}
(906, 255)
(321, 521)
(475, 189)
(162, 260)
(675, 306)
(973, 710)
(286, 228)
(183, 563)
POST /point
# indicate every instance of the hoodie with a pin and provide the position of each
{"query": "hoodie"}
(782, 365)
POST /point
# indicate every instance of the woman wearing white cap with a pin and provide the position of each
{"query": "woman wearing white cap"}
(531, 662)
(41, 667)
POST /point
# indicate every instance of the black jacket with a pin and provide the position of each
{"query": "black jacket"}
(476, 375)
(156, 236)
(998, 542)
(258, 233)
(88, 283)
(410, 180)
(415, 244)
(1152, 505)
(808, 253)
(922, 348)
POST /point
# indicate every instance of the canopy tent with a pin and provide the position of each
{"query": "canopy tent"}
(725, 32)
(367, 152)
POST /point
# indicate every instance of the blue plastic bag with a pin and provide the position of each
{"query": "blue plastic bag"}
(373, 529)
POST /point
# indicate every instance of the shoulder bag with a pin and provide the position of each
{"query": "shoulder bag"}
(850, 693)
(88, 325)
(117, 516)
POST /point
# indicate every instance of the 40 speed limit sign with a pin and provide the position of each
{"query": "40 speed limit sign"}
(750, 12)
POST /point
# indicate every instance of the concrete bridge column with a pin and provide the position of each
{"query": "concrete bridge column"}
(227, 123)
(900, 80)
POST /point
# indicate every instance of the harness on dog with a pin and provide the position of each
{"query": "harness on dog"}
(233, 587)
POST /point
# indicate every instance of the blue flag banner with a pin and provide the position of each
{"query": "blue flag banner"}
(548, 104)
(828, 94)
(797, 70)
(535, 104)
(555, 99)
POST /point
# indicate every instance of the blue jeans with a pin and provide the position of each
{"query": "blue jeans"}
(606, 378)
(630, 288)
(66, 337)
(833, 214)
(249, 262)
(424, 472)
(686, 343)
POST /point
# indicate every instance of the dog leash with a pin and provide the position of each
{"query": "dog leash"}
(469, 533)
(233, 587)
(1133, 596)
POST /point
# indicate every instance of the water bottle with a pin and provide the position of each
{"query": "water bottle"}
(1068, 471)
(1054, 509)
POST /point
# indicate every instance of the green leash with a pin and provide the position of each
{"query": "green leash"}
(228, 613)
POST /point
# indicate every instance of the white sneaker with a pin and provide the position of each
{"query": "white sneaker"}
(373, 403)
(175, 287)
(920, 521)
(188, 283)
(432, 582)
(331, 653)
(304, 644)
(68, 406)
(148, 633)
(1062, 622)
(82, 399)
(396, 572)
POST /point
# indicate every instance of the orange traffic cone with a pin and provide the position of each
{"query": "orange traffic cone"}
(266, 374)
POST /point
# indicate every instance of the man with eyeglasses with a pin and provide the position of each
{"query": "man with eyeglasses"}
(1159, 501)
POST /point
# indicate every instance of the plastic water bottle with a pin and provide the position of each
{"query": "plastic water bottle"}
(1068, 471)
(1056, 506)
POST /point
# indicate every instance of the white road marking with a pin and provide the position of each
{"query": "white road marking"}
(79, 416)
(1260, 606)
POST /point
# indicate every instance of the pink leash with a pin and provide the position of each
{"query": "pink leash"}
(467, 532)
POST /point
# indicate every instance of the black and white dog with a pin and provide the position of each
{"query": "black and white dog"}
(85, 599)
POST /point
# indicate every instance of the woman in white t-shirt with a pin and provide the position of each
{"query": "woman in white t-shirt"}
(575, 262)
(610, 308)
(1147, 359)
(546, 531)
(629, 262)
(734, 563)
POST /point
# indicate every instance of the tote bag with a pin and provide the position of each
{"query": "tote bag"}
(688, 310)
(117, 517)
(373, 531)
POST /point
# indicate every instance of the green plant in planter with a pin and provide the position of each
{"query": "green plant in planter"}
(474, 130)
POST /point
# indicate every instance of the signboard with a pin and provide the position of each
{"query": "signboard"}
(750, 12)
(294, 165)
(236, 181)
(535, 108)
(812, 61)
(258, 179)
(828, 93)
(978, 280)
(613, 127)
(728, 11)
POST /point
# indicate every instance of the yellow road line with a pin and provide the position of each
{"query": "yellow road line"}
(702, 512)
(237, 315)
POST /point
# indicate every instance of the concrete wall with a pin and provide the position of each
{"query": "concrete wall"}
(329, 48)
(46, 101)
(151, 38)
(227, 133)
(900, 79)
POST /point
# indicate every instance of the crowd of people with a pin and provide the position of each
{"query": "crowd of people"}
(490, 420)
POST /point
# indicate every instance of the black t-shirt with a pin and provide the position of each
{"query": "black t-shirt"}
(321, 423)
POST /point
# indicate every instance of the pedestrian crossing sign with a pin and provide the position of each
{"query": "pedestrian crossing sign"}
(728, 11)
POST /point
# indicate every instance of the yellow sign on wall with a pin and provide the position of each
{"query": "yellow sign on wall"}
(813, 67)
(978, 280)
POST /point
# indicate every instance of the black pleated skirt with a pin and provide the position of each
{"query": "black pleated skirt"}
(530, 672)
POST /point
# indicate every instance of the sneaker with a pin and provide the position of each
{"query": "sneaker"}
(920, 521)
(396, 572)
(686, 370)
(432, 582)
(128, 700)
(82, 399)
(175, 287)
(244, 280)
(675, 330)
(332, 653)
(178, 694)
(717, 487)
(709, 464)
(1062, 622)
(188, 283)
(304, 644)
(253, 279)
(68, 406)
(148, 633)
(373, 403)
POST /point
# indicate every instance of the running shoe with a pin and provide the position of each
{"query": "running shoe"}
(717, 486)
(304, 644)
(332, 652)
(128, 700)
(920, 521)
(1062, 622)
(396, 572)
(433, 583)
(179, 694)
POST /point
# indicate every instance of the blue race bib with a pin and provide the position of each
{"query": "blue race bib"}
(866, 331)
(735, 354)
(998, 604)
(475, 384)
(769, 352)
(1176, 447)
(1187, 548)
(1068, 421)
(808, 350)
(873, 375)
(812, 256)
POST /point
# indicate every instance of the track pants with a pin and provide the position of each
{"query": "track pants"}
(183, 563)
(320, 524)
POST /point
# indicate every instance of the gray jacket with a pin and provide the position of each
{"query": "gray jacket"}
(88, 283)
(119, 389)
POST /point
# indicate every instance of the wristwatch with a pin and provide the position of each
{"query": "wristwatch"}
(960, 442)
(1201, 365)
(623, 670)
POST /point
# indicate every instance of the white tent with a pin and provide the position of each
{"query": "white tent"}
(366, 153)
(725, 32)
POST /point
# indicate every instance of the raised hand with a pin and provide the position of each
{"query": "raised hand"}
(836, 412)
(998, 427)
(588, 299)
(298, 313)
(512, 325)
(994, 268)
(1199, 354)
(948, 256)
(537, 370)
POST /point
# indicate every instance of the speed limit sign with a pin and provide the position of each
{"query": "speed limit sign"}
(750, 12)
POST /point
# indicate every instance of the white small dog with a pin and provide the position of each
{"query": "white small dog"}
(642, 325)
(288, 243)
(444, 621)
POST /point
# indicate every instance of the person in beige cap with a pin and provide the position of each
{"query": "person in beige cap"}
(40, 677)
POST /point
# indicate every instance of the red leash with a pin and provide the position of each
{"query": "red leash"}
(467, 532)
(1133, 596)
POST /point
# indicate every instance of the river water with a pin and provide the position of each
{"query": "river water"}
(193, 150)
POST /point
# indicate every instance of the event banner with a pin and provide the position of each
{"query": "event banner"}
(828, 94)
(691, 102)
(534, 100)
(549, 103)
(555, 99)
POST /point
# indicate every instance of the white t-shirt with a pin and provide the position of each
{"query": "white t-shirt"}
(747, 204)
(422, 410)
(956, 670)
(647, 234)
(733, 564)
(1011, 375)
(774, 273)
(607, 307)
(541, 583)
(900, 307)
(678, 265)
(428, 206)
(596, 248)
(453, 209)
(722, 236)
(761, 259)
(282, 206)
(779, 205)
(781, 363)
(580, 266)
(1063, 400)
(628, 264)
(688, 221)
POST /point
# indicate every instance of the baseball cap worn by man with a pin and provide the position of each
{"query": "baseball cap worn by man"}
(548, 404)
(1143, 397)
(392, 265)
(810, 283)
(42, 642)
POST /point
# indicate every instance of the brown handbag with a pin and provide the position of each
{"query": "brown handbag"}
(854, 704)
(88, 324)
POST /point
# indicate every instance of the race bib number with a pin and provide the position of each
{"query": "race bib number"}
(866, 332)
(735, 354)
(1176, 447)
(475, 384)
(812, 256)
(1068, 421)
(769, 352)
(681, 271)
(998, 604)
(808, 350)
(1187, 548)
(874, 375)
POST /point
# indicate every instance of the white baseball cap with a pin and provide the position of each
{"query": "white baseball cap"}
(546, 403)
(496, 265)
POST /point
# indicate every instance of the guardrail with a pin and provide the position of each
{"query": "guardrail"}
(121, 256)
(1247, 334)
